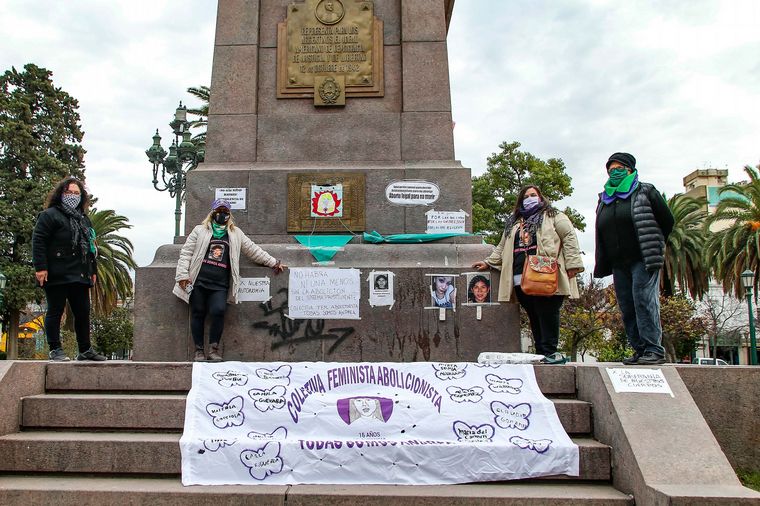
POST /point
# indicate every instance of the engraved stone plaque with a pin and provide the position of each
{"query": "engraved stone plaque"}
(326, 202)
(340, 39)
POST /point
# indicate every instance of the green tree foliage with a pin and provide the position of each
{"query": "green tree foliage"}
(585, 320)
(113, 333)
(682, 326)
(114, 261)
(40, 143)
(612, 347)
(202, 93)
(684, 254)
(733, 249)
(495, 192)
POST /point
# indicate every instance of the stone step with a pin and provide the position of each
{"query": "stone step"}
(117, 376)
(95, 491)
(152, 412)
(159, 453)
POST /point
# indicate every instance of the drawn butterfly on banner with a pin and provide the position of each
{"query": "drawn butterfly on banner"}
(216, 444)
(537, 445)
(449, 371)
(280, 374)
(504, 385)
(227, 414)
(511, 417)
(230, 378)
(279, 433)
(458, 394)
(262, 462)
(473, 433)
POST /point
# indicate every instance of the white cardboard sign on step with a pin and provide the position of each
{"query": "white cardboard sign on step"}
(643, 381)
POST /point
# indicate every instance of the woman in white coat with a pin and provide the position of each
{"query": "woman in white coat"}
(208, 273)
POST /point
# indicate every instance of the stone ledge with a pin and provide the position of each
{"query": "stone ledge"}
(167, 412)
(159, 454)
(176, 377)
(87, 491)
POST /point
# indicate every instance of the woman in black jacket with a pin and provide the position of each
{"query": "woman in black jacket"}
(633, 222)
(63, 253)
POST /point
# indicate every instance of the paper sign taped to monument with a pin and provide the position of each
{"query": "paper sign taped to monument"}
(254, 289)
(645, 381)
(315, 292)
(380, 288)
(444, 222)
(412, 193)
(326, 201)
(418, 423)
(235, 196)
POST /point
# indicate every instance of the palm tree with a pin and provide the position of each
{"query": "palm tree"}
(733, 249)
(202, 93)
(684, 260)
(114, 261)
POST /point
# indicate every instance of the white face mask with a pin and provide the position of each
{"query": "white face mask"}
(71, 200)
(530, 202)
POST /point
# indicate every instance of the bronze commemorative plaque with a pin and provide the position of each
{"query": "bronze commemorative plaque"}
(337, 39)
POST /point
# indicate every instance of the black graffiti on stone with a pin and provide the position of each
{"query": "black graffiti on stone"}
(298, 331)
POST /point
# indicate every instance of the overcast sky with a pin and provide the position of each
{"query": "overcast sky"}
(676, 83)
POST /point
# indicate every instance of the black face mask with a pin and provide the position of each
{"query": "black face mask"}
(222, 218)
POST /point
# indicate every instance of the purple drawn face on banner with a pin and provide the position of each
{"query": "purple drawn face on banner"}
(351, 409)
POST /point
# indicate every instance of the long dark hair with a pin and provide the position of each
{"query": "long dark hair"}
(473, 280)
(54, 197)
(546, 205)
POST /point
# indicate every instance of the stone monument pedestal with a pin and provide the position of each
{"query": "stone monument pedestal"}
(385, 117)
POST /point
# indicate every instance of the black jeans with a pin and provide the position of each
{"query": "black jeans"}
(78, 295)
(212, 302)
(543, 313)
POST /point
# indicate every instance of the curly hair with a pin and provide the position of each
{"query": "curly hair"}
(54, 197)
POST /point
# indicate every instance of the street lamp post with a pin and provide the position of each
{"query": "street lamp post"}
(184, 155)
(10, 348)
(748, 280)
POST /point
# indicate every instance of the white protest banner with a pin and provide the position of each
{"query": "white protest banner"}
(235, 196)
(254, 289)
(412, 193)
(444, 222)
(380, 288)
(277, 423)
(645, 381)
(315, 292)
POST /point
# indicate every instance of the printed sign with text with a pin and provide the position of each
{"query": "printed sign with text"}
(446, 222)
(235, 196)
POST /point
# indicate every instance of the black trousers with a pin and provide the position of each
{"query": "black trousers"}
(543, 313)
(202, 302)
(78, 296)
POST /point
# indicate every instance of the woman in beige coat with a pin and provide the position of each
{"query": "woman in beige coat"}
(536, 228)
(208, 273)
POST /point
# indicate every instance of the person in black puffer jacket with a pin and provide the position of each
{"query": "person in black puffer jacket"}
(633, 222)
(63, 253)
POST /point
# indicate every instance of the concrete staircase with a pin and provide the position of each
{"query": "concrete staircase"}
(109, 433)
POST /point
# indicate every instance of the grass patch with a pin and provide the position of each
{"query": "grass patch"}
(749, 479)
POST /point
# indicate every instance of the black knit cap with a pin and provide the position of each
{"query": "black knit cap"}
(626, 159)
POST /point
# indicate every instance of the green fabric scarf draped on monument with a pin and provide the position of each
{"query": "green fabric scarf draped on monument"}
(323, 247)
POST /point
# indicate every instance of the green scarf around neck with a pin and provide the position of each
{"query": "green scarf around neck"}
(623, 187)
(218, 231)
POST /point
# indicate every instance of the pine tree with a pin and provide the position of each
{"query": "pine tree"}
(40, 144)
